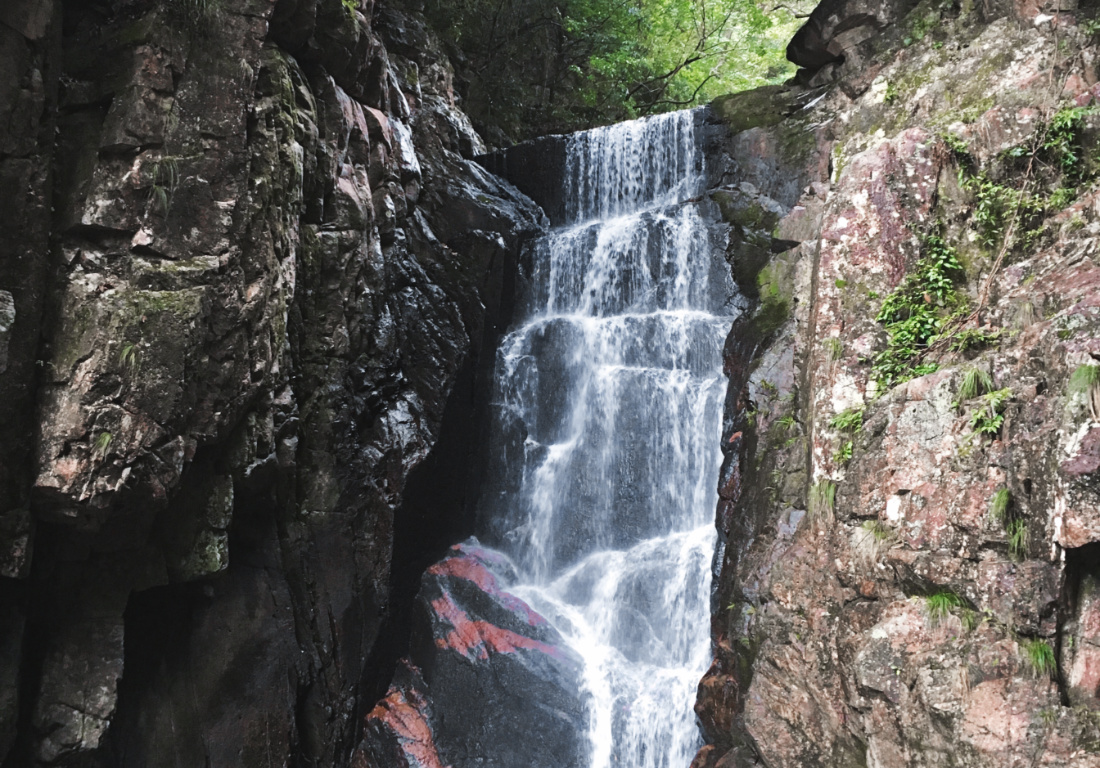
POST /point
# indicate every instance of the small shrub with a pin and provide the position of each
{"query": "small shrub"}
(1061, 198)
(1062, 144)
(973, 338)
(916, 311)
(958, 148)
(988, 418)
(1039, 656)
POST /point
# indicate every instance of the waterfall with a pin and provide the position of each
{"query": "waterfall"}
(607, 409)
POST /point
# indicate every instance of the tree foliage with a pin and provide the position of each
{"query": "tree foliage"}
(533, 66)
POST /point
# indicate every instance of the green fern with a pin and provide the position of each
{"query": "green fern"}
(848, 420)
(843, 454)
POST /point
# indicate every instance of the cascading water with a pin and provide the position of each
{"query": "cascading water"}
(608, 401)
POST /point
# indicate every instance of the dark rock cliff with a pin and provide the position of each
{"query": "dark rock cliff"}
(249, 284)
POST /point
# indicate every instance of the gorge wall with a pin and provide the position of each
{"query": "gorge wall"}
(912, 536)
(249, 280)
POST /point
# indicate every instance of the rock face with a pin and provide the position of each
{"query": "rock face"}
(246, 341)
(909, 569)
(488, 681)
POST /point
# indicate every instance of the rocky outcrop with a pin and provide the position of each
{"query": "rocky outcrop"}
(489, 679)
(270, 280)
(910, 520)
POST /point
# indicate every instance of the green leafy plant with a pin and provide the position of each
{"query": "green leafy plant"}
(998, 505)
(1018, 538)
(786, 422)
(916, 311)
(973, 338)
(822, 500)
(843, 454)
(1062, 141)
(988, 418)
(1039, 656)
(1085, 380)
(940, 604)
(956, 146)
(992, 204)
(1061, 198)
(101, 445)
(848, 420)
(891, 94)
(834, 347)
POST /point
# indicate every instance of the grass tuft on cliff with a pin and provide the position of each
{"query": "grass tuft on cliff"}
(940, 604)
(998, 505)
(1039, 656)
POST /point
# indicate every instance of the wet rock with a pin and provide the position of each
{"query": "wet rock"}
(276, 282)
(471, 635)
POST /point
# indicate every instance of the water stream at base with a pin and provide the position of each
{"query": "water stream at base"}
(608, 400)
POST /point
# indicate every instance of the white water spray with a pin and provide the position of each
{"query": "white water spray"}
(610, 388)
